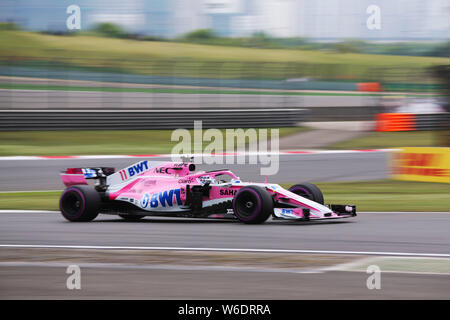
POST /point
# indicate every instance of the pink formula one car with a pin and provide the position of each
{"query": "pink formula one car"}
(174, 189)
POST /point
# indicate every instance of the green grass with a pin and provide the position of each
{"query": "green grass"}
(381, 140)
(99, 142)
(20, 86)
(385, 195)
(148, 57)
(388, 195)
(39, 200)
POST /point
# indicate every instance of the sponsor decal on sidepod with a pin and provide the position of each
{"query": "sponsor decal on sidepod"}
(164, 198)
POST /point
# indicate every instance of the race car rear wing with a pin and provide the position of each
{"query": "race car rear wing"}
(73, 176)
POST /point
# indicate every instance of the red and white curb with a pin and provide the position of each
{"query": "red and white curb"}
(225, 154)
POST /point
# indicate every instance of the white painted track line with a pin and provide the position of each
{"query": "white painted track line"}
(377, 253)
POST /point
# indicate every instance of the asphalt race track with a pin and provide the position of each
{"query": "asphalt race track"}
(109, 283)
(18, 175)
(368, 232)
(377, 233)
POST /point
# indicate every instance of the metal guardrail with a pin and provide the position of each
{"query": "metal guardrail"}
(98, 100)
(433, 121)
(356, 113)
(151, 119)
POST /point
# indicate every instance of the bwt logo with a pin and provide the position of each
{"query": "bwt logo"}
(164, 198)
(133, 170)
(144, 201)
(138, 168)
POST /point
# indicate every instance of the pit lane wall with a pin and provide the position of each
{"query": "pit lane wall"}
(422, 164)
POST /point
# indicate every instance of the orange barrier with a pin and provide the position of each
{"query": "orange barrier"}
(395, 122)
(368, 86)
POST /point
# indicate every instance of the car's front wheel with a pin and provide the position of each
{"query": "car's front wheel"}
(252, 205)
(309, 191)
(80, 203)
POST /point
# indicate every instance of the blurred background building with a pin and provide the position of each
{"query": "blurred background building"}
(314, 19)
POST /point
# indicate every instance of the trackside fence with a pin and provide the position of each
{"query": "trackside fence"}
(150, 119)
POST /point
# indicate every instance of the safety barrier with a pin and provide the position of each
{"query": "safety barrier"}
(151, 119)
(368, 87)
(410, 121)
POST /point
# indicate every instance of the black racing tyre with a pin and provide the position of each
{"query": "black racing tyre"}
(308, 190)
(130, 217)
(80, 203)
(252, 205)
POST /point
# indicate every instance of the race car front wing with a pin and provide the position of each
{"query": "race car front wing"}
(337, 211)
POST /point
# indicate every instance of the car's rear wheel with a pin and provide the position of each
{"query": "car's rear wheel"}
(80, 203)
(130, 217)
(309, 191)
(252, 205)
